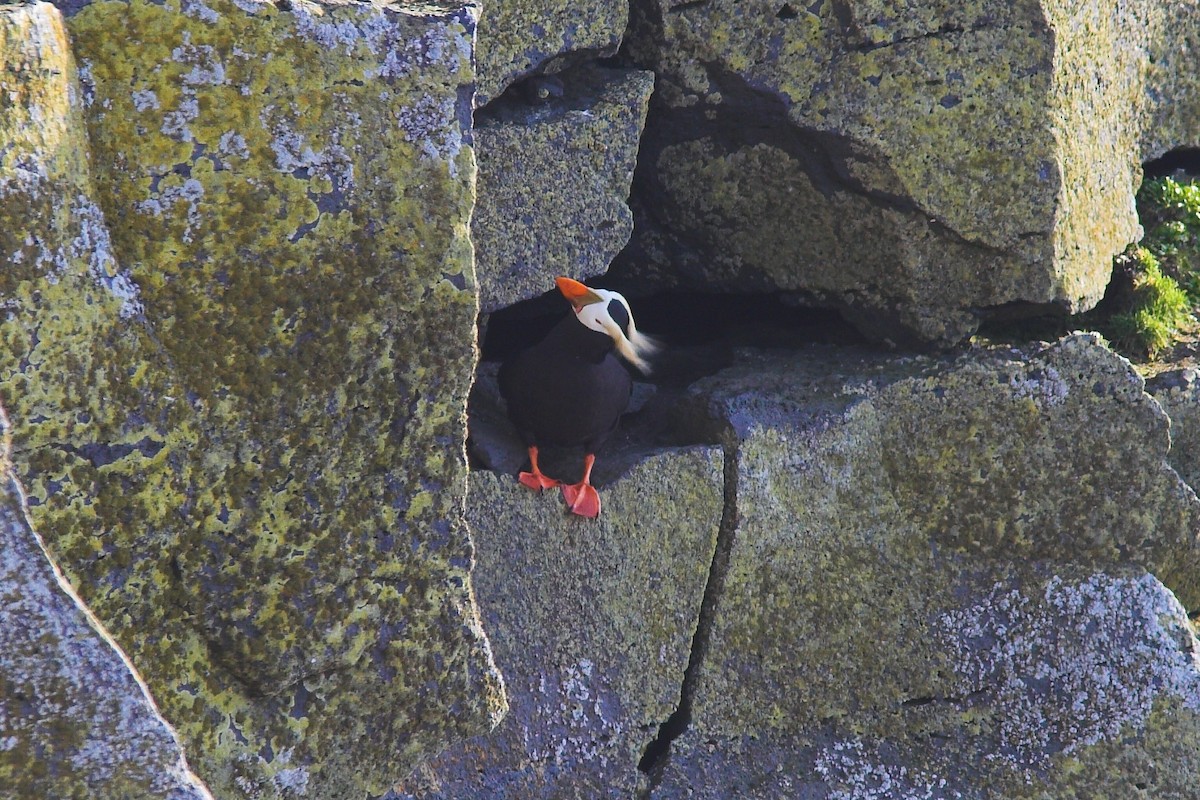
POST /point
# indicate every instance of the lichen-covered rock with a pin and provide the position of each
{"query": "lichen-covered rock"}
(236, 352)
(940, 581)
(1077, 686)
(913, 163)
(591, 623)
(554, 181)
(74, 720)
(518, 38)
(1178, 392)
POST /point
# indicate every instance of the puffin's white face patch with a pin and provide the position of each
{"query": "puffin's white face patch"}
(633, 346)
(594, 315)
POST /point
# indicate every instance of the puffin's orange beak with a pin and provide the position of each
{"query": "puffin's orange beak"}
(577, 293)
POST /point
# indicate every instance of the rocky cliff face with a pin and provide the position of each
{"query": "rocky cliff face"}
(914, 163)
(933, 577)
(959, 632)
(245, 248)
(237, 344)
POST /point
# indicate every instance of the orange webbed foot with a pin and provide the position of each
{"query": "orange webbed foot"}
(537, 481)
(583, 499)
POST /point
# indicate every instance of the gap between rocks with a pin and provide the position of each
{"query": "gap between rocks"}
(657, 754)
(703, 333)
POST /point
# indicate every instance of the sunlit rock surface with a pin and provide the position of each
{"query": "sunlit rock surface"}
(915, 164)
(946, 579)
(237, 339)
(554, 178)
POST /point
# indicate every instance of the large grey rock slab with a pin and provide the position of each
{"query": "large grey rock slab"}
(75, 721)
(915, 164)
(1072, 684)
(591, 623)
(236, 343)
(519, 38)
(947, 579)
(554, 181)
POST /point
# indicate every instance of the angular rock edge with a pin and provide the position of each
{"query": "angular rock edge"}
(183, 783)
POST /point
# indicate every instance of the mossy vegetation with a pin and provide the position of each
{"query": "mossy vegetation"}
(1162, 285)
(1159, 307)
(1153, 300)
(1170, 212)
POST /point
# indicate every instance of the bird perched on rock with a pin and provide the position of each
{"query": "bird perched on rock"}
(570, 389)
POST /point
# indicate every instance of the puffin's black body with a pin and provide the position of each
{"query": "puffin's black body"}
(568, 390)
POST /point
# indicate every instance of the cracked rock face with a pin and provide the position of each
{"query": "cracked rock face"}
(912, 164)
(518, 39)
(74, 722)
(591, 623)
(554, 180)
(945, 582)
(237, 339)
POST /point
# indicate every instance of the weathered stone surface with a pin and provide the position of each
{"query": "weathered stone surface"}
(591, 623)
(554, 181)
(1074, 687)
(915, 163)
(74, 720)
(940, 581)
(518, 38)
(1178, 392)
(239, 408)
(1077, 686)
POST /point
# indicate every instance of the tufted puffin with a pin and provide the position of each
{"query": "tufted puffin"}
(570, 389)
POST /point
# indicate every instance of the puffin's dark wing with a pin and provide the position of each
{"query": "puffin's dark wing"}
(600, 413)
(518, 384)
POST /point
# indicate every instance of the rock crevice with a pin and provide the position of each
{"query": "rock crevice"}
(654, 758)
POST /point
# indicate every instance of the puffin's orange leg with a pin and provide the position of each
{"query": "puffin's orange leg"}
(534, 479)
(582, 497)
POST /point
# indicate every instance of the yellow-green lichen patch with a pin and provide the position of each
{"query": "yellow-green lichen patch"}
(259, 485)
(1106, 502)
(951, 117)
(75, 721)
(955, 104)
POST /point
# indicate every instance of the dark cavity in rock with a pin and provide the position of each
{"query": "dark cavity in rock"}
(701, 335)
